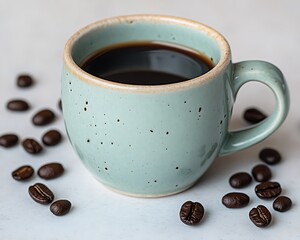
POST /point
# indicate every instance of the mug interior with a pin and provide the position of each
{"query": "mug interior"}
(148, 28)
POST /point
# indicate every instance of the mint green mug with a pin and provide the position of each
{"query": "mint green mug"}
(158, 140)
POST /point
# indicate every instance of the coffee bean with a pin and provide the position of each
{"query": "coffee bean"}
(261, 173)
(260, 216)
(51, 138)
(32, 146)
(22, 173)
(24, 81)
(268, 190)
(191, 212)
(282, 204)
(50, 171)
(235, 200)
(17, 105)
(270, 156)
(43, 117)
(240, 179)
(60, 207)
(59, 104)
(41, 193)
(9, 140)
(253, 115)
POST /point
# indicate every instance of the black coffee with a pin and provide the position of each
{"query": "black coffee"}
(147, 63)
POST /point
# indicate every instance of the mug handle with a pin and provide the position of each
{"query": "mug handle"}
(271, 76)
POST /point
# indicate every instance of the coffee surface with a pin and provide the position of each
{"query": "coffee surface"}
(147, 63)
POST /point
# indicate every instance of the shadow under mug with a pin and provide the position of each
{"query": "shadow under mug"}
(158, 140)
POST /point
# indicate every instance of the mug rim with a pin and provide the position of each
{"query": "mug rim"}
(73, 68)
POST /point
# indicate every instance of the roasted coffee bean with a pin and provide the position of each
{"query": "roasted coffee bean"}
(270, 156)
(17, 105)
(59, 104)
(51, 138)
(282, 204)
(32, 146)
(253, 115)
(9, 140)
(60, 207)
(41, 193)
(268, 190)
(261, 173)
(22, 173)
(24, 81)
(191, 212)
(50, 171)
(43, 117)
(235, 200)
(260, 216)
(240, 179)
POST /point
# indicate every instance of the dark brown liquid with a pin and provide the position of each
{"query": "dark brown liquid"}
(147, 64)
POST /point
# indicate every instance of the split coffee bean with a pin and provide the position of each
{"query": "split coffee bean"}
(50, 171)
(17, 105)
(32, 146)
(260, 216)
(51, 138)
(191, 212)
(235, 200)
(41, 193)
(60, 207)
(253, 115)
(24, 81)
(282, 204)
(261, 173)
(270, 156)
(43, 117)
(23, 173)
(268, 190)
(240, 180)
(9, 140)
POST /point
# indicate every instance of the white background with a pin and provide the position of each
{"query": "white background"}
(32, 37)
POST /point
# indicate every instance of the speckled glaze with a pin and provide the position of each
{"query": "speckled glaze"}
(153, 141)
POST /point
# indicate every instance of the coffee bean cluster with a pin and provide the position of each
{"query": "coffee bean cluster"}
(39, 192)
(191, 213)
(47, 171)
(43, 195)
(266, 189)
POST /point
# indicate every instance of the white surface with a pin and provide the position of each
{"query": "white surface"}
(32, 37)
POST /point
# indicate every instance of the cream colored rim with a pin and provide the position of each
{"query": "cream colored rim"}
(74, 69)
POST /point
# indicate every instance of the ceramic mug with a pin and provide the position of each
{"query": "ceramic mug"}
(158, 140)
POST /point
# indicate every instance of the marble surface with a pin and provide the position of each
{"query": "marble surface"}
(32, 37)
